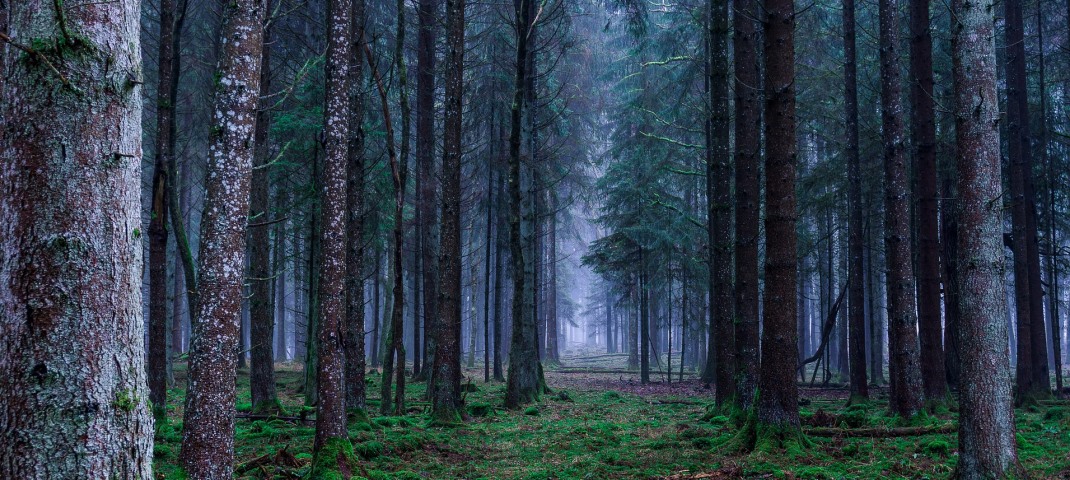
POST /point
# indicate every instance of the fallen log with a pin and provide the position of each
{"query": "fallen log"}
(880, 432)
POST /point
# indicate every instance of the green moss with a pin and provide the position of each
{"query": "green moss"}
(268, 407)
(480, 409)
(532, 411)
(936, 446)
(333, 461)
(124, 400)
(368, 450)
(611, 395)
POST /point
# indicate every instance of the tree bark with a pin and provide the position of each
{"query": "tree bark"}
(261, 302)
(331, 441)
(748, 157)
(1032, 367)
(923, 126)
(208, 433)
(719, 194)
(906, 395)
(73, 386)
(855, 248)
(356, 397)
(425, 164)
(446, 402)
(523, 383)
(986, 419)
(164, 149)
(399, 170)
(777, 403)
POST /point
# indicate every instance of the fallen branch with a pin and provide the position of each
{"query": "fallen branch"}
(880, 432)
(611, 371)
(250, 416)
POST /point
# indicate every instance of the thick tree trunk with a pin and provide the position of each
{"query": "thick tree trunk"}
(986, 420)
(923, 131)
(905, 368)
(777, 402)
(856, 298)
(208, 433)
(748, 72)
(719, 204)
(332, 451)
(261, 303)
(523, 383)
(446, 402)
(73, 387)
(356, 397)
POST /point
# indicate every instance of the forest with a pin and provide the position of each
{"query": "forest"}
(534, 239)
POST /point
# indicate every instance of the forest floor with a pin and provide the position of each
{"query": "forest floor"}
(608, 426)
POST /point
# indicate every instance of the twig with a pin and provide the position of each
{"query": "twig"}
(40, 55)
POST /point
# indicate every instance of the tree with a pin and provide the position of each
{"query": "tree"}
(719, 223)
(399, 172)
(923, 131)
(522, 383)
(986, 420)
(748, 157)
(71, 261)
(332, 450)
(906, 396)
(855, 288)
(1032, 366)
(777, 408)
(425, 172)
(261, 302)
(446, 402)
(356, 398)
(166, 89)
(208, 433)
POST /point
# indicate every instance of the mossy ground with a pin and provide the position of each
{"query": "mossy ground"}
(609, 426)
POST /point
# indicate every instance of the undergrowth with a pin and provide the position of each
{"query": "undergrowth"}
(600, 433)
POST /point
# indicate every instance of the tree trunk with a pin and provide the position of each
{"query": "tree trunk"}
(855, 248)
(164, 148)
(262, 307)
(748, 74)
(425, 164)
(1032, 346)
(208, 433)
(1045, 156)
(644, 323)
(719, 195)
(499, 374)
(553, 353)
(777, 403)
(949, 222)
(332, 451)
(923, 126)
(986, 420)
(906, 395)
(446, 402)
(356, 397)
(72, 380)
(399, 170)
(523, 383)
